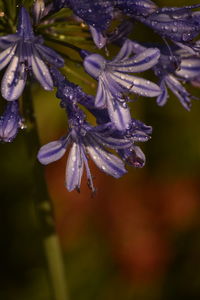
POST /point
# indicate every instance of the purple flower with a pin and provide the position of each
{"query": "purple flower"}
(174, 66)
(85, 141)
(114, 80)
(25, 54)
(10, 122)
(180, 24)
(171, 71)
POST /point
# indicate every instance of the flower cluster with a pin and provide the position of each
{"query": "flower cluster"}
(112, 141)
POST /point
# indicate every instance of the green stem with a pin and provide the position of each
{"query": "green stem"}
(43, 205)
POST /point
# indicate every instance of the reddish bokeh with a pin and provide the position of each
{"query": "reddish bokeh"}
(137, 217)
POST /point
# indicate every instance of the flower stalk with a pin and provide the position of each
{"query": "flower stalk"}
(43, 205)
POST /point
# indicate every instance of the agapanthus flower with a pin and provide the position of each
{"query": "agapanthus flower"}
(10, 122)
(172, 72)
(173, 68)
(114, 80)
(85, 141)
(180, 24)
(25, 54)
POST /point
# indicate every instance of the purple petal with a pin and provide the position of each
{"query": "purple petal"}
(10, 122)
(139, 63)
(94, 64)
(41, 71)
(50, 56)
(137, 85)
(179, 91)
(24, 28)
(106, 161)
(189, 68)
(8, 40)
(125, 52)
(139, 136)
(98, 38)
(136, 47)
(74, 169)
(6, 56)
(101, 95)
(162, 98)
(51, 152)
(14, 80)
(111, 142)
(119, 113)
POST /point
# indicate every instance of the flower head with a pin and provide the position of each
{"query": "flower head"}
(171, 70)
(174, 66)
(25, 55)
(85, 141)
(114, 80)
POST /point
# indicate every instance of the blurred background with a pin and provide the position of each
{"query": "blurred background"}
(138, 238)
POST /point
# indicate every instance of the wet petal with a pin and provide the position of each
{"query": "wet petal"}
(8, 40)
(10, 122)
(119, 113)
(74, 169)
(41, 71)
(6, 56)
(139, 63)
(14, 80)
(24, 27)
(98, 38)
(101, 95)
(50, 56)
(94, 64)
(111, 142)
(189, 68)
(179, 91)
(51, 152)
(162, 98)
(106, 161)
(125, 52)
(137, 85)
